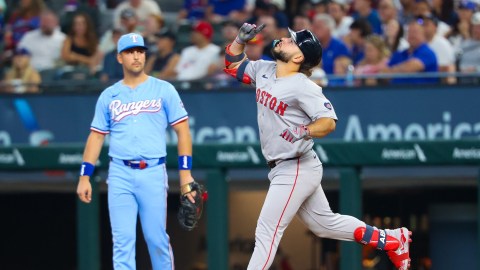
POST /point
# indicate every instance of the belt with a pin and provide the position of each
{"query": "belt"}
(273, 163)
(139, 164)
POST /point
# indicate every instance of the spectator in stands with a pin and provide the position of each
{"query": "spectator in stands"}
(229, 31)
(264, 9)
(318, 7)
(111, 69)
(270, 33)
(23, 19)
(73, 7)
(142, 8)
(44, 44)
(387, 12)
(470, 58)
(364, 10)
(3, 6)
(376, 58)
(442, 48)
(202, 58)
(129, 24)
(393, 36)
(336, 56)
(162, 64)
(444, 10)
(423, 7)
(319, 76)
(461, 29)
(221, 10)
(301, 22)
(80, 48)
(277, 10)
(418, 58)
(192, 10)
(254, 49)
(153, 25)
(338, 11)
(359, 30)
(22, 77)
(407, 12)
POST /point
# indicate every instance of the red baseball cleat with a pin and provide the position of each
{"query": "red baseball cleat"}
(401, 256)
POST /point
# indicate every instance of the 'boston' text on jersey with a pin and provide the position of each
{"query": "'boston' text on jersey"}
(269, 101)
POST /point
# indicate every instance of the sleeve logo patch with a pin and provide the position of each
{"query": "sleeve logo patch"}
(328, 105)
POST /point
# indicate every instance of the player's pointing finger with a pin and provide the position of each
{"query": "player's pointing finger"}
(259, 28)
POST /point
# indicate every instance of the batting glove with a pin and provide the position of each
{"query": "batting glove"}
(293, 134)
(247, 32)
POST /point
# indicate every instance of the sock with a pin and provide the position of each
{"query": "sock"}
(376, 238)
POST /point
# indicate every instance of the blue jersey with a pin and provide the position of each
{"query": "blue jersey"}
(223, 8)
(335, 49)
(422, 53)
(374, 20)
(358, 54)
(195, 8)
(136, 119)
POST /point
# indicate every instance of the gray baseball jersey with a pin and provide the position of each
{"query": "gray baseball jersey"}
(282, 103)
(295, 184)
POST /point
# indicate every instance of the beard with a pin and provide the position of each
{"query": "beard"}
(279, 55)
(134, 70)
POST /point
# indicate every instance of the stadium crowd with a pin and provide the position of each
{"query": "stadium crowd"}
(365, 42)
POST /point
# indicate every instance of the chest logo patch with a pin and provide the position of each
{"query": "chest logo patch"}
(119, 110)
(271, 102)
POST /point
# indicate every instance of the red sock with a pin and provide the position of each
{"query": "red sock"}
(375, 238)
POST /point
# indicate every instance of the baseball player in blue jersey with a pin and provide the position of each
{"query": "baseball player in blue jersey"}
(291, 111)
(135, 112)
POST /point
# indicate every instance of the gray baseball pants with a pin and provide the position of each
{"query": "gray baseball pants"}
(295, 189)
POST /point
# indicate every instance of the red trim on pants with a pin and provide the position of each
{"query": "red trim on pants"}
(278, 224)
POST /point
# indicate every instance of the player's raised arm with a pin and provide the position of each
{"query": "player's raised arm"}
(235, 52)
(90, 156)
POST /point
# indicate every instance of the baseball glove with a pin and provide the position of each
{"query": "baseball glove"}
(189, 213)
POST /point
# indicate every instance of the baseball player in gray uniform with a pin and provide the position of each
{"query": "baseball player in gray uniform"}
(291, 111)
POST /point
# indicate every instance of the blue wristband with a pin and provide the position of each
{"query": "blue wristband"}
(184, 162)
(87, 169)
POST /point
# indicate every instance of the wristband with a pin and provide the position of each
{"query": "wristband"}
(234, 58)
(185, 162)
(87, 169)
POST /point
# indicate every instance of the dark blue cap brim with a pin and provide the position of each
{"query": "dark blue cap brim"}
(133, 46)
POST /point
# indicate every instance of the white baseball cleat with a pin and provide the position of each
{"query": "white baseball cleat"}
(401, 257)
